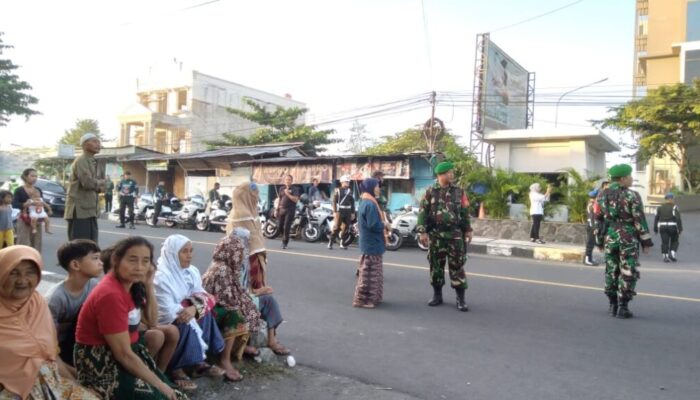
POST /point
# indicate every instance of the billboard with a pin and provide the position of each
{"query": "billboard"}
(505, 90)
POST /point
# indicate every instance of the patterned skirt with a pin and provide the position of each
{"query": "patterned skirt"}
(369, 289)
(50, 385)
(99, 371)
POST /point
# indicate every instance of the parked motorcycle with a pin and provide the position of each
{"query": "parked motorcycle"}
(317, 213)
(404, 227)
(172, 213)
(301, 225)
(217, 217)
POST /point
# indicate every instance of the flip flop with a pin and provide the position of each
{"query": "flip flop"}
(227, 377)
(183, 382)
(249, 354)
(280, 350)
(210, 371)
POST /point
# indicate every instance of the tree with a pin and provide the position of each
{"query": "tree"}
(13, 99)
(276, 126)
(666, 123)
(576, 189)
(411, 140)
(358, 140)
(82, 126)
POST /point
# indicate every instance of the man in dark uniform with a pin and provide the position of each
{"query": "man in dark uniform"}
(109, 190)
(382, 200)
(343, 205)
(668, 223)
(127, 190)
(214, 195)
(623, 228)
(286, 208)
(159, 196)
(443, 223)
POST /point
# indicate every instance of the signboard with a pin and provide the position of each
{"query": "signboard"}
(302, 173)
(505, 86)
(157, 165)
(66, 150)
(393, 169)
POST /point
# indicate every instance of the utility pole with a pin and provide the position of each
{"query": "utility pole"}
(431, 142)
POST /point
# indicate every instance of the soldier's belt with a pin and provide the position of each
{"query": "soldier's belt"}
(345, 207)
(668, 223)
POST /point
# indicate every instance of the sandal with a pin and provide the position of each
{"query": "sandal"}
(210, 371)
(363, 305)
(237, 377)
(182, 381)
(249, 353)
(280, 350)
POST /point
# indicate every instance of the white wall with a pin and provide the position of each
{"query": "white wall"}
(549, 157)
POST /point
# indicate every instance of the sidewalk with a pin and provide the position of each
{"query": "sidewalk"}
(689, 247)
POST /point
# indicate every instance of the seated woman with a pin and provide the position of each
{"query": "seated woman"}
(253, 278)
(30, 367)
(182, 301)
(108, 356)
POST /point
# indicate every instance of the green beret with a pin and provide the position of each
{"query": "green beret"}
(620, 171)
(443, 167)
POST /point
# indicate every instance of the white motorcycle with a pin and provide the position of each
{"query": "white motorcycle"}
(404, 227)
(217, 216)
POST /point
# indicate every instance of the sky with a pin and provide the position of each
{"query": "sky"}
(83, 57)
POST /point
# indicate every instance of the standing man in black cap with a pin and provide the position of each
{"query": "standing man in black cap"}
(84, 185)
(127, 189)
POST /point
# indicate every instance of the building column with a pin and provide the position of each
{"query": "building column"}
(124, 135)
(148, 135)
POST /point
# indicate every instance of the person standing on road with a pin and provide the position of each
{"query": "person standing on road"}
(81, 202)
(159, 196)
(343, 205)
(668, 222)
(286, 208)
(370, 278)
(382, 200)
(214, 193)
(127, 189)
(443, 222)
(22, 200)
(590, 228)
(109, 191)
(537, 201)
(624, 227)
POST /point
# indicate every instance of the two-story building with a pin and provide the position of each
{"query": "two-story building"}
(177, 111)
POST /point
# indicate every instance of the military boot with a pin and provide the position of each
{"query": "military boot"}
(612, 308)
(461, 305)
(437, 296)
(624, 312)
(666, 259)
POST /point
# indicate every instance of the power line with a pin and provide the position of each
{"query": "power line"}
(537, 16)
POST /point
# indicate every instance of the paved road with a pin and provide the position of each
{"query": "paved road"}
(535, 330)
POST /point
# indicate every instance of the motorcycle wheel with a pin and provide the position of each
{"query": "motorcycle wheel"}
(270, 230)
(311, 233)
(149, 220)
(394, 242)
(202, 224)
(170, 224)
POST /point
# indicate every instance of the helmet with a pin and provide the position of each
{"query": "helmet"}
(304, 198)
(345, 178)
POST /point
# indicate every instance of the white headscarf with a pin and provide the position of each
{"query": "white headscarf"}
(174, 283)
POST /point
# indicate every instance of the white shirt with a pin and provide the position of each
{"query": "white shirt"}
(537, 203)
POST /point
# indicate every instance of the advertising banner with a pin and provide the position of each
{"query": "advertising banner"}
(505, 86)
(302, 173)
(393, 169)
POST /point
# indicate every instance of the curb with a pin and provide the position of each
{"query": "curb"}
(558, 254)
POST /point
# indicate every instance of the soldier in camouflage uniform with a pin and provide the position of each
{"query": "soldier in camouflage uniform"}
(443, 220)
(622, 228)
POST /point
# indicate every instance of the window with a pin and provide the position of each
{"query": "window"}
(692, 27)
(182, 100)
(643, 25)
(692, 66)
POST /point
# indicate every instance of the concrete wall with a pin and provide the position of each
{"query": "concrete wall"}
(667, 20)
(551, 157)
(558, 232)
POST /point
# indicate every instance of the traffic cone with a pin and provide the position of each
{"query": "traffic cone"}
(482, 212)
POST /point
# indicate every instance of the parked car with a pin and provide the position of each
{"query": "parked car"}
(54, 194)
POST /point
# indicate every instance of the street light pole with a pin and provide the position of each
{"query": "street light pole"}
(556, 114)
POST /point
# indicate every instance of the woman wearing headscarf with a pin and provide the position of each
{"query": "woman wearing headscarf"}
(182, 301)
(370, 280)
(537, 201)
(245, 223)
(30, 367)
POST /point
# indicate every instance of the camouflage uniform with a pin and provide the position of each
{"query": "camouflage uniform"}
(622, 227)
(444, 215)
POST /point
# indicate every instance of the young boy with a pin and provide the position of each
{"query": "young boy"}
(7, 235)
(81, 258)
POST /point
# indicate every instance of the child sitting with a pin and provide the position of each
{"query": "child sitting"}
(7, 235)
(38, 214)
(81, 258)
